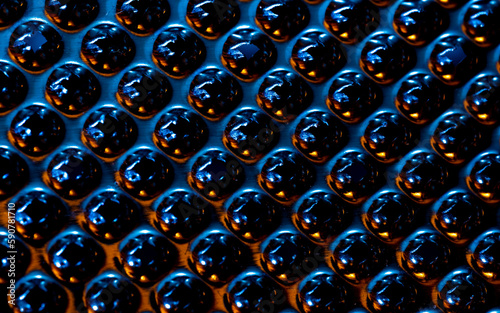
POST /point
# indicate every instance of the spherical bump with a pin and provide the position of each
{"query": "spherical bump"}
(286, 176)
(74, 257)
(214, 93)
(317, 56)
(451, 4)
(252, 216)
(125, 296)
(284, 95)
(388, 137)
(145, 174)
(14, 172)
(180, 134)
(22, 256)
(480, 23)
(355, 176)
(183, 215)
(319, 136)
(248, 54)
(419, 22)
(484, 257)
(71, 15)
(212, 18)
(321, 216)
(39, 293)
(142, 17)
(389, 215)
(350, 21)
(35, 46)
(282, 19)
(250, 135)
(483, 99)
(352, 97)
(73, 174)
(107, 49)
(216, 175)
(484, 178)
(183, 292)
(11, 11)
(289, 256)
(357, 256)
(72, 89)
(217, 257)
(14, 87)
(424, 177)
(39, 216)
(178, 52)
(386, 58)
(454, 60)
(144, 91)
(421, 98)
(110, 216)
(146, 256)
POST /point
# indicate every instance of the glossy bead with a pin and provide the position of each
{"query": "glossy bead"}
(311, 294)
(350, 21)
(216, 175)
(282, 19)
(317, 56)
(458, 216)
(35, 46)
(74, 257)
(248, 54)
(71, 15)
(14, 172)
(421, 98)
(392, 291)
(289, 256)
(483, 99)
(145, 174)
(214, 93)
(180, 134)
(183, 215)
(483, 255)
(142, 17)
(22, 256)
(284, 95)
(389, 215)
(111, 292)
(11, 11)
(39, 216)
(454, 60)
(425, 255)
(252, 216)
(73, 174)
(212, 18)
(424, 177)
(110, 216)
(352, 97)
(36, 130)
(217, 257)
(462, 291)
(386, 58)
(107, 49)
(144, 91)
(39, 293)
(357, 256)
(319, 136)
(355, 176)
(72, 89)
(286, 176)
(451, 4)
(480, 23)
(457, 138)
(183, 292)
(484, 178)
(420, 22)
(250, 135)
(388, 137)
(321, 216)
(13, 87)
(178, 52)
